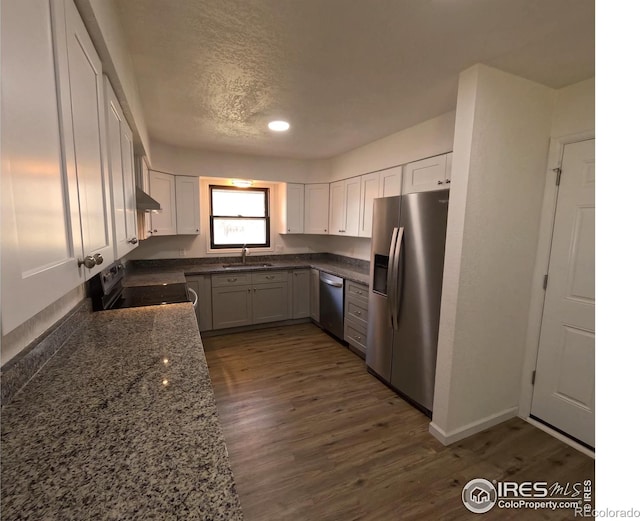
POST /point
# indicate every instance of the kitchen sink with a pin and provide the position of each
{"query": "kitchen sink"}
(248, 265)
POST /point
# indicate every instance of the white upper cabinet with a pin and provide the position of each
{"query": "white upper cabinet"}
(162, 187)
(88, 136)
(447, 169)
(390, 182)
(425, 175)
(41, 238)
(187, 205)
(369, 191)
(295, 208)
(120, 165)
(344, 207)
(386, 183)
(337, 200)
(143, 217)
(316, 208)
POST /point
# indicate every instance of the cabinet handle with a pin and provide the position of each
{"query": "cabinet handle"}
(359, 338)
(197, 229)
(325, 229)
(155, 231)
(448, 181)
(288, 229)
(440, 182)
(359, 292)
(270, 277)
(232, 280)
(150, 231)
(248, 290)
(358, 313)
(134, 240)
(99, 259)
(254, 290)
(88, 262)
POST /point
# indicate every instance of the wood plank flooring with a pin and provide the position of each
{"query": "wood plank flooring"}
(312, 436)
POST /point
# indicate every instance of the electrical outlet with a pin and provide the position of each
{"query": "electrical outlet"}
(183, 252)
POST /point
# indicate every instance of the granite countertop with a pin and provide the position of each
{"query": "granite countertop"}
(170, 272)
(120, 424)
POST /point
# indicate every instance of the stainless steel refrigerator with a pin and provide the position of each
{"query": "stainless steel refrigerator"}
(407, 257)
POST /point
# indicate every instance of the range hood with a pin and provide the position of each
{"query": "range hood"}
(145, 202)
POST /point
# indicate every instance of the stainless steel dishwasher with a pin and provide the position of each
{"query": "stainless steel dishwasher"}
(332, 304)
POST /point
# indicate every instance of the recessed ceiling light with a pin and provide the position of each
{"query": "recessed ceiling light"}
(279, 126)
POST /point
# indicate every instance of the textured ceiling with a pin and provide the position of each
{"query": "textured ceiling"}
(213, 73)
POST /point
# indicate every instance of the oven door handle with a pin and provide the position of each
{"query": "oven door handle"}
(193, 297)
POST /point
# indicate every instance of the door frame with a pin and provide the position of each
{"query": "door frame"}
(536, 304)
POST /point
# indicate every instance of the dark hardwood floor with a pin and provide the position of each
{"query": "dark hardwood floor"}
(313, 436)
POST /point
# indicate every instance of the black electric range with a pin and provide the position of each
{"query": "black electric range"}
(107, 291)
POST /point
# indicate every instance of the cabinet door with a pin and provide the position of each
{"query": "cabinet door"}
(425, 175)
(368, 192)
(187, 205)
(41, 239)
(314, 294)
(336, 207)
(300, 298)
(352, 206)
(295, 208)
(271, 302)
(390, 182)
(129, 183)
(201, 284)
(143, 218)
(316, 208)
(162, 187)
(231, 306)
(120, 167)
(447, 170)
(89, 139)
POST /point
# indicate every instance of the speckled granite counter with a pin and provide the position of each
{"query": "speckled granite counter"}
(120, 424)
(166, 271)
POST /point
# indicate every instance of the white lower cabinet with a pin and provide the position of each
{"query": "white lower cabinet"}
(201, 284)
(300, 296)
(270, 302)
(314, 295)
(250, 298)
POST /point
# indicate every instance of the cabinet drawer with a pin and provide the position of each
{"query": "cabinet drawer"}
(263, 277)
(356, 311)
(356, 335)
(358, 291)
(231, 279)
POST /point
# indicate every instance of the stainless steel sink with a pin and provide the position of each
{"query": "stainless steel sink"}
(248, 265)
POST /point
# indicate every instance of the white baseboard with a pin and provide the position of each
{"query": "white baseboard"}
(447, 438)
(561, 437)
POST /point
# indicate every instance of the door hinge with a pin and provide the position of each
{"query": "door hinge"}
(558, 172)
(545, 281)
(533, 378)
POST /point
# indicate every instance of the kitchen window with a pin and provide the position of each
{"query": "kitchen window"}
(239, 216)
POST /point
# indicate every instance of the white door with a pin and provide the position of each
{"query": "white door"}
(162, 187)
(316, 208)
(351, 206)
(336, 208)
(41, 239)
(564, 391)
(187, 205)
(368, 192)
(89, 139)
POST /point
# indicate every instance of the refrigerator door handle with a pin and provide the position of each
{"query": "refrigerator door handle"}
(390, 277)
(395, 302)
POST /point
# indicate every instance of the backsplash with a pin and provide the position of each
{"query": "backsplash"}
(358, 264)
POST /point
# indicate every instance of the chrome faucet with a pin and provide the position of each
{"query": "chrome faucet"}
(245, 252)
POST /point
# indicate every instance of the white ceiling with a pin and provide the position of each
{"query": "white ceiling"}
(213, 73)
